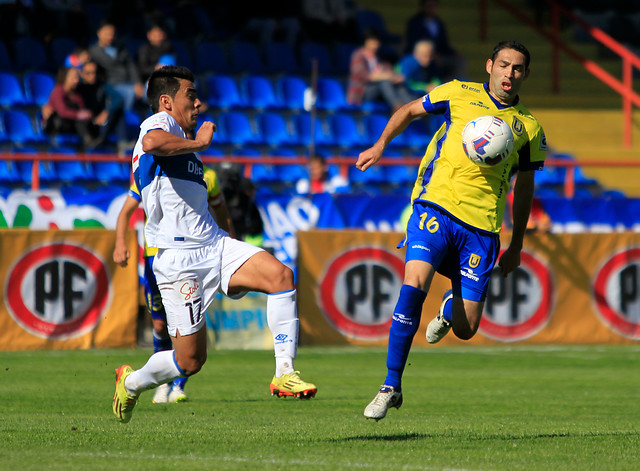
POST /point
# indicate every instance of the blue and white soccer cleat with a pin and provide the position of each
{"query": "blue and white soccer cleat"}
(439, 327)
(387, 397)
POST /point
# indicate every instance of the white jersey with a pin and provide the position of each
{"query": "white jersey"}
(173, 191)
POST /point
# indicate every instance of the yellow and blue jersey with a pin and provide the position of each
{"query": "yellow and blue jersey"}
(448, 179)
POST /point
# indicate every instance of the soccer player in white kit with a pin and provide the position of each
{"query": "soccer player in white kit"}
(196, 259)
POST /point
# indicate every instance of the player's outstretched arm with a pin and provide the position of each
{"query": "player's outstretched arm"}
(396, 124)
(121, 252)
(522, 200)
(159, 142)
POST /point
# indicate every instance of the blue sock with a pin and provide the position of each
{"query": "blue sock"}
(447, 312)
(160, 345)
(406, 319)
(180, 382)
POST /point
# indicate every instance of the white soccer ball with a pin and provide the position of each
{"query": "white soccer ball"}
(487, 140)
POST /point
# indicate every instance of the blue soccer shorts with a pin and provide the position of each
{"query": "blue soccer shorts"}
(152, 293)
(461, 253)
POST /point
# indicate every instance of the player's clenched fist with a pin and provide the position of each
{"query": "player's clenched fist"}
(367, 158)
(205, 133)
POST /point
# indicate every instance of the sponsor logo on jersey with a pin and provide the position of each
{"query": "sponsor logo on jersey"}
(468, 273)
(543, 142)
(480, 104)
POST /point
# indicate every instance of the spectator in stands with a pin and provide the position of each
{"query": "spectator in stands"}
(149, 53)
(77, 58)
(426, 24)
(329, 20)
(419, 69)
(104, 102)
(66, 112)
(120, 70)
(320, 180)
(370, 78)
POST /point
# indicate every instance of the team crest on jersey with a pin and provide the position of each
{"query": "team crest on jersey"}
(517, 126)
(474, 260)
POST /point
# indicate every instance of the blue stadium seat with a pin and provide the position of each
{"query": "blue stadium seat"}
(370, 19)
(5, 59)
(236, 129)
(37, 87)
(312, 50)
(417, 135)
(402, 175)
(331, 95)
(302, 124)
(258, 92)
(60, 48)
(374, 125)
(223, 92)
(290, 92)
(71, 171)
(345, 132)
(183, 53)
(245, 58)
(30, 54)
(274, 129)
(281, 59)
(367, 181)
(210, 57)
(11, 93)
(112, 172)
(292, 172)
(342, 54)
(9, 174)
(20, 129)
(46, 171)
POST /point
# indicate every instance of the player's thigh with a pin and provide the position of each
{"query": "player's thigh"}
(418, 274)
(261, 272)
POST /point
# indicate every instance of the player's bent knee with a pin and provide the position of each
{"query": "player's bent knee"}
(192, 364)
(464, 332)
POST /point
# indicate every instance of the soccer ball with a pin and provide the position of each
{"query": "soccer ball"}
(487, 140)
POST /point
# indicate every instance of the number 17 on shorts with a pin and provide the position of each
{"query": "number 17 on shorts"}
(183, 304)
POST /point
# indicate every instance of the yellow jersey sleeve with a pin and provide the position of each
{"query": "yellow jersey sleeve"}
(448, 179)
(214, 190)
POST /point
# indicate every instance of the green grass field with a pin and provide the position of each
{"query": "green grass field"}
(502, 408)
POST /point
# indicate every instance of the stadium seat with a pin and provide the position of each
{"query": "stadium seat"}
(310, 51)
(60, 48)
(372, 20)
(210, 57)
(290, 91)
(46, 171)
(71, 171)
(302, 124)
(245, 58)
(344, 131)
(368, 181)
(9, 174)
(236, 129)
(342, 54)
(30, 54)
(417, 135)
(182, 53)
(258, 92)
(223, 92)
(112, 172)
(20, 129)
(274, 130)
(281, 59)
(291, 173)
(5, 59)
(37, 87)
(331, 95)
(11, 93)
(373, 127)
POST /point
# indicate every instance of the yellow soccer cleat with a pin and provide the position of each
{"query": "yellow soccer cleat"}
(291, 384)
(123, 402)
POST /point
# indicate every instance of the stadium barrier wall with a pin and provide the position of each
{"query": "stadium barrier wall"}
(62, 290)
(570, 288)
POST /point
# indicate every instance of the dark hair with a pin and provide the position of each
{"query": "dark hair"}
(164, 81)
(371, 33)
(516, 46)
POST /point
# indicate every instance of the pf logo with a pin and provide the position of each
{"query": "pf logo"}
(57, 291)
(617, 293)
(519, 306)
(359, 290)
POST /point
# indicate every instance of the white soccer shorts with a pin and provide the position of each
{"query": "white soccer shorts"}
(189, 279)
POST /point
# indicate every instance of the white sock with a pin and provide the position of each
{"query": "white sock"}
(282, 319)
(159, 369)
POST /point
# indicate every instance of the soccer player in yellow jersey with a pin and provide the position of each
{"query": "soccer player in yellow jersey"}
(458, 206)
(174, 391)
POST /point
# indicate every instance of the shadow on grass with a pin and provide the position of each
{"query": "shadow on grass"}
(467, 436)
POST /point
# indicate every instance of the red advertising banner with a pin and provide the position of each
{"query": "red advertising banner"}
(570, 288)
(61, 290)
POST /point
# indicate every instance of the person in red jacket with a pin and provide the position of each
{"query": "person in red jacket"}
(66, 112)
